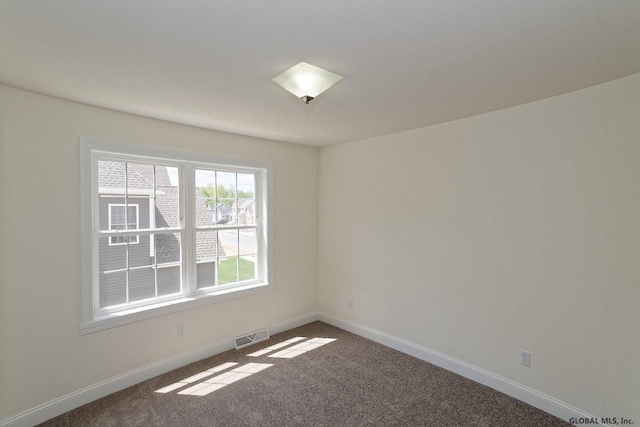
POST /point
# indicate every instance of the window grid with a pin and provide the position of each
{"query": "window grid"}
(155, 247)
(132, 231)
(216, 227)
(126, 196)
(132, 235)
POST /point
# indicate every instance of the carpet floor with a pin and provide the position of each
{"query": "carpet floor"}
(329, 378)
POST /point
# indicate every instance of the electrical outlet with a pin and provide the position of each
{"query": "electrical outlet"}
(350, 304)
(181, 330)
(525, 358)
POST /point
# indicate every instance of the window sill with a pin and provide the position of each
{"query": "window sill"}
(141, 313)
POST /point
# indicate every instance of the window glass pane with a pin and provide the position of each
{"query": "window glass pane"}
(168, 250)
(118, 220)
(117, 217)
(132, 217)
(225, 211)
(142, 274)
(168, 279)
(246, 186)
(248, 242)
(245, 210)
(228, 272)
(112, 288)
(111, 273)
(229, 242)
(139, 254)
(207, 248)
(206, 272)
(226, 185)
(111, 188)
(247, 267)
(142, 283)
(205, 198)
(167, 202)
(111, 176)
(140, 179)
(228, 267)
(133, 220)
(206, 178)
(111, 257)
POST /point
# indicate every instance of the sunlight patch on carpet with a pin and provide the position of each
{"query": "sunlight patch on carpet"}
(196, 377)
(213, 383)
(219, 381)
(276, 347)
(302, 348)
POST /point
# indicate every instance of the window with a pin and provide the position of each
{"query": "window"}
(226, 235)
(117, 221)
(164, 231)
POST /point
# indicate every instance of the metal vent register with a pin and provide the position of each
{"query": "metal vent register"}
(251, 338)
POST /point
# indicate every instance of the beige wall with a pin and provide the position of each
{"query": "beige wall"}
(517, 229)
(42, 355)
(476, 238)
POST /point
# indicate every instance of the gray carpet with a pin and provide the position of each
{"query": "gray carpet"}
(347, 382)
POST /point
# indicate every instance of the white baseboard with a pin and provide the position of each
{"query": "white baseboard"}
(532, 397)
(88, 394)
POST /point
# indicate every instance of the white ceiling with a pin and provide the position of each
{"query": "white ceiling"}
(406, 64)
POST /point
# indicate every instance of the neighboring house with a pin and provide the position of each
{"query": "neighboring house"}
(221, 213)
(241, 211)
(244, 211)
(152, 261)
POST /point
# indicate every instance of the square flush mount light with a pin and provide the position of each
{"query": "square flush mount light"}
(306, 81)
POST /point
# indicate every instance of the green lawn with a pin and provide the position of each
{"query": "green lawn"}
(227, 270)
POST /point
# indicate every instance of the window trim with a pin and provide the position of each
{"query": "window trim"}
(90, 149)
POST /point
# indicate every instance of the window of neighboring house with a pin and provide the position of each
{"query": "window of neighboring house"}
(117, 215)
(163, 231)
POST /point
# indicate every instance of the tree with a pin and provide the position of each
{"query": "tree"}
(225, 195)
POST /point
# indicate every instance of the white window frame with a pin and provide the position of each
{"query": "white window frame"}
(95, 319)
(131, 242)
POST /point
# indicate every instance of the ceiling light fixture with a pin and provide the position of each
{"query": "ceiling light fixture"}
(306, 81)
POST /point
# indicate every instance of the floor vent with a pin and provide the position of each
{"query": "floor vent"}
(251, 338)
